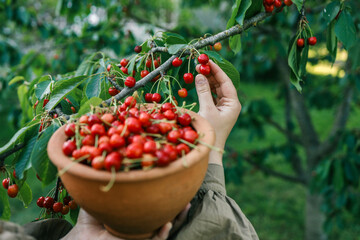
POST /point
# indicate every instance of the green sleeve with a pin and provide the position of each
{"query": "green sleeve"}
(214, 215)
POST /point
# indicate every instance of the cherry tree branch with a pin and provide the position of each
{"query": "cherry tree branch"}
(286, 132)
(237, 29)
(4, 155)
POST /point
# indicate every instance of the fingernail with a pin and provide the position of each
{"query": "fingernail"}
(200, 79)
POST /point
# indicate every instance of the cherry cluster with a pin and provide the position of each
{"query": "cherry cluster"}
(301, 41)
(130, 136)
(12, 189)
(270, 5)
(51, 205)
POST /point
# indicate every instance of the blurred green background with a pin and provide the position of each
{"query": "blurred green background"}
(53, 37)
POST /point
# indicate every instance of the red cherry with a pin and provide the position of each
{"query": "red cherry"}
(105, 147)
(288, 2)
(138, 139)
(156, 98)
(130, 82)
(73, 205)
(130, 102)
(124, 62)
(122, 130)
(65, 210)
(182, 148)
(170, 150)
(150, 147)
(133, 124)
(165, 127)
(48, 202)
(66, 200)
(184, 119)
(156, 63)
(269, 9)
(170, 115)
(153, 129)
(40, 202)
(57, 207)
(6, 182)
(144, 119)
(217, 46)
(182, 93)
(84, 119)
(134, 150)
(269, 2)
(70, 129)
(36, 103)
(85, 130)
(312, 41)
(112, 160)
(98, 163)
(93, 119)
(14, 174)
(148, 97)
(116, 141)
(143, 73)
(98, 129)
(278, 3)
(134, 112)
(177, 62)
(167, 106)
(148, 63)
(113, 91)
(13, 190)
(88, 140)
(190, 136)
(73, 109)
(107, 118)
(173, 136)
(137, 49)
(45, 102)
(188, 78)
(205, 69)
(68, 147)
(108, 67)
(300, 42)
(157, 116)
(163, 158)
(124, 70)
(203, 59)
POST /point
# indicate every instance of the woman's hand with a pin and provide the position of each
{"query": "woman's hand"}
(222, 111)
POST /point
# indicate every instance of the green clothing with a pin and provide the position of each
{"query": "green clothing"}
(212, 216)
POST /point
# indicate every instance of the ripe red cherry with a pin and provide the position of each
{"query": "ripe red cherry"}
(143, 73)
(48, 202)
(113, 91)
(45, 102)
(98, 163)
(163, 158)
(173, 136)
(148, 63)
(14, 174)
(36, 103)
(88, 140)
(167, 106)
(288, 2)
(190, 136)
(6, 182)
(130, 82)
(182, 93)
(150, 147)
(66, 200)
(156, 97)
(148, 97)
(98, 129)
(57, 207)
(188, 78)
(153, 129)
(205, 69)
(65, 210)
(68, 147)
(137, 49)
(133, 124)
(134, 150)
(182, 148)
(73, 109)
(108, 67)
(170, 115)
(312, 41)
(73, 205)
(144, 119)
(177, 62)
(124, 62)
(184, 119)
(156, 63)
(269, 2)
(165, 127)
(70, 129)
(170, 150)
(13, 190)
(116, 141)
(300, 42)
(93, 119)
(124, 70)
(84, 119)
(40, 202)
(107, 118)
(112, 160)
(203, 59)
(130, 102)
(217, 46)
(278, 3)
(268, 8)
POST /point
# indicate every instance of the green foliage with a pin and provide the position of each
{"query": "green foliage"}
(4, 205)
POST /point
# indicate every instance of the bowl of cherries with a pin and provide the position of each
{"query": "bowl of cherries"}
(133, 166)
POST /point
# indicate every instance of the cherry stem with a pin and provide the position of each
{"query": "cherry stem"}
(211, 147)
(67, 167)
(112, 181)
(189, 144)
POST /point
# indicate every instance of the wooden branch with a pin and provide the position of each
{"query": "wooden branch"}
(114, 83)
(237, 29)
(4, 155)
(274, 173)
(291, 136)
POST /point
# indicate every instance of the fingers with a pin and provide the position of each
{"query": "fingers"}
(204, 92)
(164, 232)
(180, 219)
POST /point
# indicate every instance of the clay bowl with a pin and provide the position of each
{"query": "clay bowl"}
(140, 202)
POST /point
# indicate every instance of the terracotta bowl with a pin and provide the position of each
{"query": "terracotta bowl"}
(140, 202)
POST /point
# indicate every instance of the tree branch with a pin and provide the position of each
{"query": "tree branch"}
(114, 83)
(4, 155)
(291, 136)
(237, 29)
(274, 173)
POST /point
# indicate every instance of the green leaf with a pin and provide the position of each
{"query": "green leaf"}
(173, 38)
(86, 107)
(175, 48)
(214, 55)
(244, 6)
(131, 65)
(231, 71)
(354, 55)
(255, 8)
(16, 79)
(85, 66)
(63, 88)
(42, 89)
(331, 40)
(93, 86)
(338, 178)
(330, 11)
(235, 43)
(25, 194)
(23, 162)
(39, 157)
(15, 139)
(294, 59)
(5, 212)
(298, 4)
(26, 108)
(345, 29)
(235, 9)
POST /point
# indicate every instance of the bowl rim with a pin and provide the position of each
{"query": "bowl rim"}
(60, 160)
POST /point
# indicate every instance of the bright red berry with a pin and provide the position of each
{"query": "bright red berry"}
(205, 69)
(130, 102)
(269, 2)
(84, 119)
(65, 210)
(182, 93)
(156, 97)
(130, 82)
(13, 190)
(98, 129)
(68, 147)
(312, 41)
(163, 158)
(57, 207)
(167, 106)
(143, 73)
(6, 182)
(107, 118)
(182, 148)
(134, 150)
(150, 147)
(188, 78)
(203, 59)
(73, 205)
(269, 9)
(170, 115)
(108, 67)
(173, 136)
(156, 63)
(148, 97)
(133, 124)
(73, 109)
(92, 119)
(40, 202)
(217, 46)
(137, 49)
(113, 91)
(88, 140)
(184, 119)
(116, 141)
(144, 119)
(148, 63)
(190, 136)
(124, 62)
(70, 129)
(124, 70)
(48, 202)
(278, 3)
(177, 62)
(112, 160)
(45, 102)
(300, 42)
(288, 2)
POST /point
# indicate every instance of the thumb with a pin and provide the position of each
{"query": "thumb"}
(204, 92)
(164, 232)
